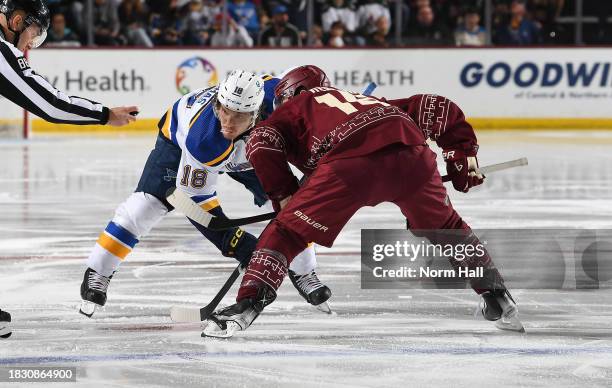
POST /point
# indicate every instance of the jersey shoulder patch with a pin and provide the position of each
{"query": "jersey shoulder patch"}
(201, 97)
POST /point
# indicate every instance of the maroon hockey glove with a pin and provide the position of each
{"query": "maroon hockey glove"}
(462, 169)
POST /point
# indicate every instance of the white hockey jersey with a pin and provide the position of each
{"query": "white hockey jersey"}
(191, 124)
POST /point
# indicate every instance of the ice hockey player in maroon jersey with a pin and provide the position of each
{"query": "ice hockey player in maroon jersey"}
(334, 137)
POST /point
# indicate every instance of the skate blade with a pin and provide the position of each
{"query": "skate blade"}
(180, 314)
(510, 324)
(5, 330)
(324, 307)
(214, 331)
(87, 308)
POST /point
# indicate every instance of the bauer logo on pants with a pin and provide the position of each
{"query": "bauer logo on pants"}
(310, 221)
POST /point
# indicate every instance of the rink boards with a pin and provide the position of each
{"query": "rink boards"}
(531, 88)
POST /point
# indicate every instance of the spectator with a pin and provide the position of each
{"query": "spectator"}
(369, 13)
(339, 10)
(519, 30)
(317, 36)
(210, 10)
(169, 37)
(237, 35)
(168, 28)
(281, 33)
(448, 12)
(197, 23)
(427, 31)
(132, 15)
(471, 33)
(59, 35)
(379, 37)
(336, 35)
(105, 22)
(546, 13)
(298, 14)
(245, 13)
(68, 9)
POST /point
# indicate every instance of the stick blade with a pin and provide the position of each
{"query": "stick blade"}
(181, 314)
(504, 166)
(183, 202)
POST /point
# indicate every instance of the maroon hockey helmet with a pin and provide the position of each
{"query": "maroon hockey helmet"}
(298, 79)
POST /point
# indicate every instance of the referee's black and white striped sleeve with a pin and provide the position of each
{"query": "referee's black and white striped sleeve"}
(24, 87)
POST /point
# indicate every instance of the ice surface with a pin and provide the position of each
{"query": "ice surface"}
(57, 194)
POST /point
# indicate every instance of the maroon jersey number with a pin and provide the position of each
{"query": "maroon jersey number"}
(350, 100)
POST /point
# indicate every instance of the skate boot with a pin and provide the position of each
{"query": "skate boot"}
(311, 289)
(225, 322)
(93, 291)
(5, 324)
(499, 306)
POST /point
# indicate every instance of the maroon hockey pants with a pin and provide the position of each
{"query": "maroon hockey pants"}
(404, 175)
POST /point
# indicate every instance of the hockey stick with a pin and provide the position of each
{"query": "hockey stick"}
(495, 167)
(183, 202)
(194, 314)
(369, 89)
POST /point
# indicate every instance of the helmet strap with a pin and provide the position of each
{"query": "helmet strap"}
(256, 117)
(17, 34)
(216, 104)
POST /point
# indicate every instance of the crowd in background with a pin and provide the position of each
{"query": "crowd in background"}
(337, 23)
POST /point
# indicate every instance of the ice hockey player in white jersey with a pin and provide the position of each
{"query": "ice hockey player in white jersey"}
(202, 135)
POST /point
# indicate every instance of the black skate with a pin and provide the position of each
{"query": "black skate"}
(5, 324)
(93, 291)
(225, 322)
(312, 290)
(499, 306)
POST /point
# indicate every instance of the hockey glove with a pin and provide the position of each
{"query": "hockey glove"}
(239, 244)
(462, 169)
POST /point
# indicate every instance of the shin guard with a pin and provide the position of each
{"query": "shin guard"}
(267, 269)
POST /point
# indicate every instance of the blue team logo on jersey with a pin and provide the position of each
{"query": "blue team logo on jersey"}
(195, 73)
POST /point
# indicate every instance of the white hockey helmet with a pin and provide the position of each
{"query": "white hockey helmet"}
(241, 91)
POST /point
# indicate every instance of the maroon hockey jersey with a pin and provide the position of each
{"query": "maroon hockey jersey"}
(326, 124)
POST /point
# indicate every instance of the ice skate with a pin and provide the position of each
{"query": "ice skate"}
(312, 290)
(5, 324)
(225, 322)
(93, 291)
(501, 308)
(239, 316)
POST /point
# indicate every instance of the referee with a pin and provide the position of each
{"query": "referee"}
(23, 26)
